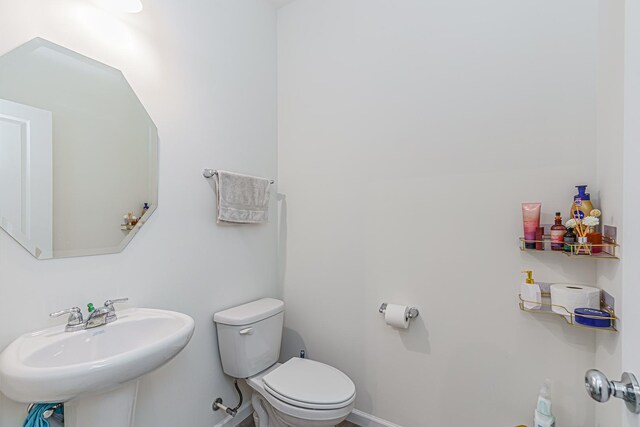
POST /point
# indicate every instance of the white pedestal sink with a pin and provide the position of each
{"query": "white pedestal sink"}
(93, 371)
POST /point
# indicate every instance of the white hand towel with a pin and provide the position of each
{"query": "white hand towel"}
(242, 199)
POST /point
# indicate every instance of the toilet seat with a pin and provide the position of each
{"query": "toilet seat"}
(305, 405)
(309, 384)
(301, 416)
(296, 415)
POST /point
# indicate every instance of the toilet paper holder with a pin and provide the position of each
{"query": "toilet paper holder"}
(411, 314)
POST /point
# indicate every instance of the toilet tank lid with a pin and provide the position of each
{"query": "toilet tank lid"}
(251, 312)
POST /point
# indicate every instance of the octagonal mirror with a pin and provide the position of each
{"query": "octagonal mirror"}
(78, 153)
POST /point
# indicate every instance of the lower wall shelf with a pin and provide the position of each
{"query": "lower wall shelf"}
(559, 311)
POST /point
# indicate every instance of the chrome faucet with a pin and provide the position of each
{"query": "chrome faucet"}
(97, 317)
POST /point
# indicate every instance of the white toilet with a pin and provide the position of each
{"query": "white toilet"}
(297, 393)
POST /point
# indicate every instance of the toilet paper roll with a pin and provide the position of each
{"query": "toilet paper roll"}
(574, 296)
(397, 316)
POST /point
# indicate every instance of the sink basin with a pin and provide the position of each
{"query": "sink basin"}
(57, 366)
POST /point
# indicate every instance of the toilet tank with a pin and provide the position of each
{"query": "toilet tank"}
(249, 336)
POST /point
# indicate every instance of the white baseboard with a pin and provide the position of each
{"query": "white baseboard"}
(357, 417)
(245, 411)
(366, 420)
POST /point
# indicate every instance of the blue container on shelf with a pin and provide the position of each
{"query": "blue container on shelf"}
(592, 319)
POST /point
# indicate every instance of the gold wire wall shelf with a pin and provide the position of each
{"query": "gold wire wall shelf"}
(605, 250)
(549, 309)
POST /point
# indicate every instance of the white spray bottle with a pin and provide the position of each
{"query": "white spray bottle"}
(542, 415)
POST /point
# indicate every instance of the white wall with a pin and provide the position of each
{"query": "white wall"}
(409, 133)
(610, 134)
(631, 291)
(206, 72)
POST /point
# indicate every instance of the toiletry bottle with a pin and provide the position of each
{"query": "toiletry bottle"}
(542, 416)
(557, 234)
(530, 293)
(531, 221)
(540, 238)
(145, 208)
(596, 241)
(569, 240)
(581, 203)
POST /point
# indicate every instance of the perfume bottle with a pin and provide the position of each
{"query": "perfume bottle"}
(569, 240)
(558, 232)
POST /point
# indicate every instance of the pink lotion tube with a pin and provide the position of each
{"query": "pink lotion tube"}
(531, 221)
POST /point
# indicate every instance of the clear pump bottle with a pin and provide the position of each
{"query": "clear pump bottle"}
(542, 416)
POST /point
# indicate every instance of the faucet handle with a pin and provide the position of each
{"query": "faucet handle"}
(73, 312)
(110, 302)
(111, 313)
(75, 321)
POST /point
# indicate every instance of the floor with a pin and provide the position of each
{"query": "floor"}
(249, 423)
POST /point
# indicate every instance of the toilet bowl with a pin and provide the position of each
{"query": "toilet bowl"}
(302, 393)
(297, 393)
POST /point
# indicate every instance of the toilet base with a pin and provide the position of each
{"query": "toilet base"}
(266, 415)
(263, 415)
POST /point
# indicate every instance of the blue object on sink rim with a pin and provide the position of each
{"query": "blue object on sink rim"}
(582, 313)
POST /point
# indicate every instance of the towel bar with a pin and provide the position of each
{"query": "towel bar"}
(210, 173)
